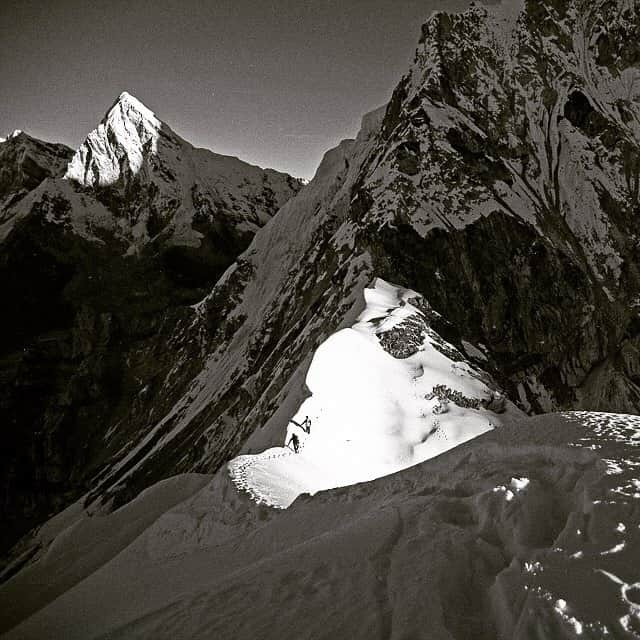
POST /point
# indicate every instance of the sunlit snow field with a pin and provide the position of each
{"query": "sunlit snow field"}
(371, 413)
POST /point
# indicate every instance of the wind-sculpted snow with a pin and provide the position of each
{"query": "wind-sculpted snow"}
(370, 413)
(514, 534)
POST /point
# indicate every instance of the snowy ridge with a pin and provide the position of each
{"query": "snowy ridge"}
(273, 264)
(371, 413)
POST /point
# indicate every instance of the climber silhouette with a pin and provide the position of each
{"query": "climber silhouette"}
(296, 443)
(305, 426)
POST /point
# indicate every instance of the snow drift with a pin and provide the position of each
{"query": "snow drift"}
(521, 533)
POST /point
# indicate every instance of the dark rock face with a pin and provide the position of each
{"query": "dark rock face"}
(25, 162)
(513, 233)
(500, 284)
(88, 338)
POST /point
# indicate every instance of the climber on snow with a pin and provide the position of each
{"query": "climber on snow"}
(296, 443)
(305, 426)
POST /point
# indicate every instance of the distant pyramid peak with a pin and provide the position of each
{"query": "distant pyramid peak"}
(128, 131)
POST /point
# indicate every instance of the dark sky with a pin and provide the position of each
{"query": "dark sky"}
(275, 82)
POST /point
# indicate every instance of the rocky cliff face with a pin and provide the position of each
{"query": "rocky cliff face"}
(506, 185)
(99, 263)
(24, 163)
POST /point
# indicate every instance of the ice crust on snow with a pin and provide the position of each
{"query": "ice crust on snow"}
(371, 414)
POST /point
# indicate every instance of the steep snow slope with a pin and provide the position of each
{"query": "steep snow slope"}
(253, 310)
(376, 406)
(524, 532)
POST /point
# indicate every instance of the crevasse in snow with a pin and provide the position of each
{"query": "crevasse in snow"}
(371, 413)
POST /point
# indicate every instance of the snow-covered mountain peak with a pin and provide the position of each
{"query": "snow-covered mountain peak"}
(131, 102)
(117, 147)
(156, 185)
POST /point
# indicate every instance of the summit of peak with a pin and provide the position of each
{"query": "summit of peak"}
(128, 131)
(125, 95)
(127, 98)
(14, 134)
(127, 102)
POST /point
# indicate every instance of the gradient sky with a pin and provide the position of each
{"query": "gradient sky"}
(274, 82)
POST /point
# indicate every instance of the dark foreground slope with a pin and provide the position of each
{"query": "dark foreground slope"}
(526, 532)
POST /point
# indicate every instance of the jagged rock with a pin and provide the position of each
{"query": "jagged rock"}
(24, 163)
